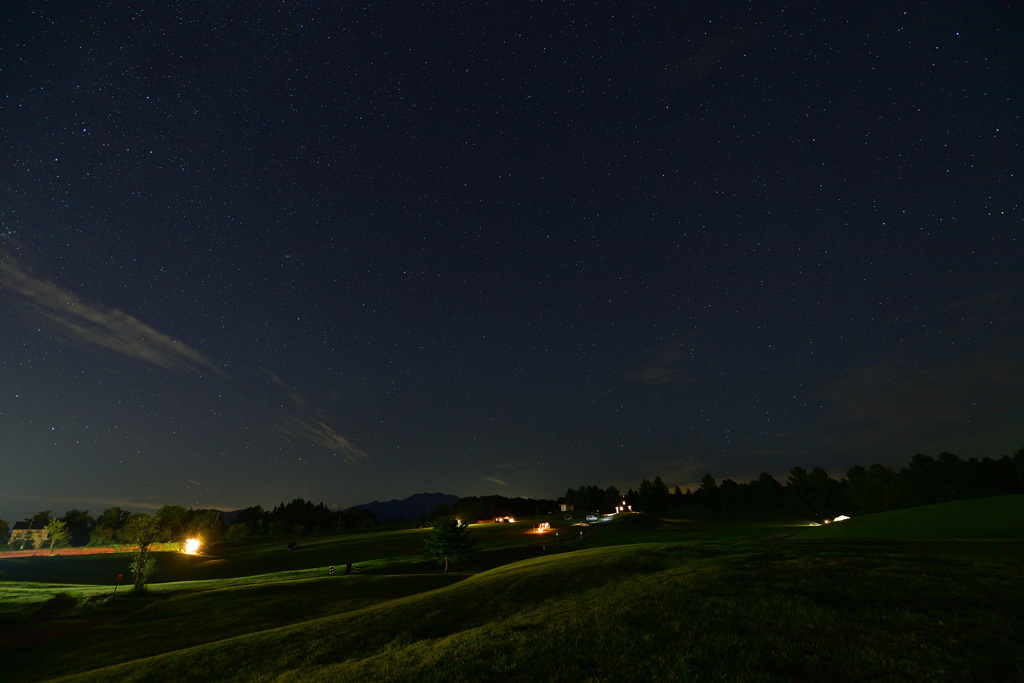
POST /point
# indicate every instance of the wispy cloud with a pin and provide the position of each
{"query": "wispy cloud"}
(495, 480)
(298, 420)
(92, 326)
(951, 383)
(95, 505)
(667, 365)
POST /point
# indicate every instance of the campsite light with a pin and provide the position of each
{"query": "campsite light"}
(543, 526)
(192, 546)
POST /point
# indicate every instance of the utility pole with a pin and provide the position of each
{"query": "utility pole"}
(25, 536)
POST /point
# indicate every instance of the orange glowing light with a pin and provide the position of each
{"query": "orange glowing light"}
(192, 546)
(542, 527)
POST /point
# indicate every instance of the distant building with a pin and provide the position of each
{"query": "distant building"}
(22, 533)
(566, 507)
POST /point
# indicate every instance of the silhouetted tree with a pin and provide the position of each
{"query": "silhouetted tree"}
(798, 498)
(80, 525)
(316, 517)
(708, 493)
(677, 495)
(767, 494)
(206, 525)
(109, 525)
(825, 493)
(39, 519)
(174, 522)
(921, 482)
(610, 499)
(238, 531)
(359, 518)
(255, 518)
(632, 499)
(448, 542)
(729, 497)
(1018, 466)
(141, 529)
(653, 496)
(57, 532)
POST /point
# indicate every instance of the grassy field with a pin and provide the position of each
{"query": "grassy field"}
(635, 600)
(993, 518)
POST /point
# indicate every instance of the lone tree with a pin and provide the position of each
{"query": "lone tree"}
(38, 538)
(141, 530)
(448, 542)
(58, 532)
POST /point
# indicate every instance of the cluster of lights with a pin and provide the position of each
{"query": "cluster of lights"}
(837, 519)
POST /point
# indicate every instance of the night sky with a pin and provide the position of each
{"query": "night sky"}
(356, 251)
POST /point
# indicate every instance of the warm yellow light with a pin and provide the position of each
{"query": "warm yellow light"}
(542, 527)
(192, 546)
(840, 518)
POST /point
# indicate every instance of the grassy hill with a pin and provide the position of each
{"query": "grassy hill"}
(638, 600)
(994, 518)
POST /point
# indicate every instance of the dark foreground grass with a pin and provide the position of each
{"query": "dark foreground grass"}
(993, 518)
(658, 611)
(638, 599)
(227, 560)
(79, 628)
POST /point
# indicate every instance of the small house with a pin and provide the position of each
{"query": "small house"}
(21, 533)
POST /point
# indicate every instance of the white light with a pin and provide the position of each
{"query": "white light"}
(192, 546)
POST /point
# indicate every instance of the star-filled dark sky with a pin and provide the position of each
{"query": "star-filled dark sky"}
(351, 251)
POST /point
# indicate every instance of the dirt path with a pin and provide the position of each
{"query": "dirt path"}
(44, 552)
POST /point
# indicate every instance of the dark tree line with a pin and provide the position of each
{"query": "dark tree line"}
(476, 508)
(653, 497)
(810, 494)
(815, 494)
(172, 523)
(297, 518)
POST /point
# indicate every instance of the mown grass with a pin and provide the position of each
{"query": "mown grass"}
(995, 518)
(674, 606)
(653, 612)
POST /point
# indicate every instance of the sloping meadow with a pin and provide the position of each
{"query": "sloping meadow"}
(689, 600)
(656, 611)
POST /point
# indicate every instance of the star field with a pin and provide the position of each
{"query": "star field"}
(252, 253)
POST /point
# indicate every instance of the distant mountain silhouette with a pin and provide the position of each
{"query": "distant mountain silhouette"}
(229, 517)
(413, 507)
